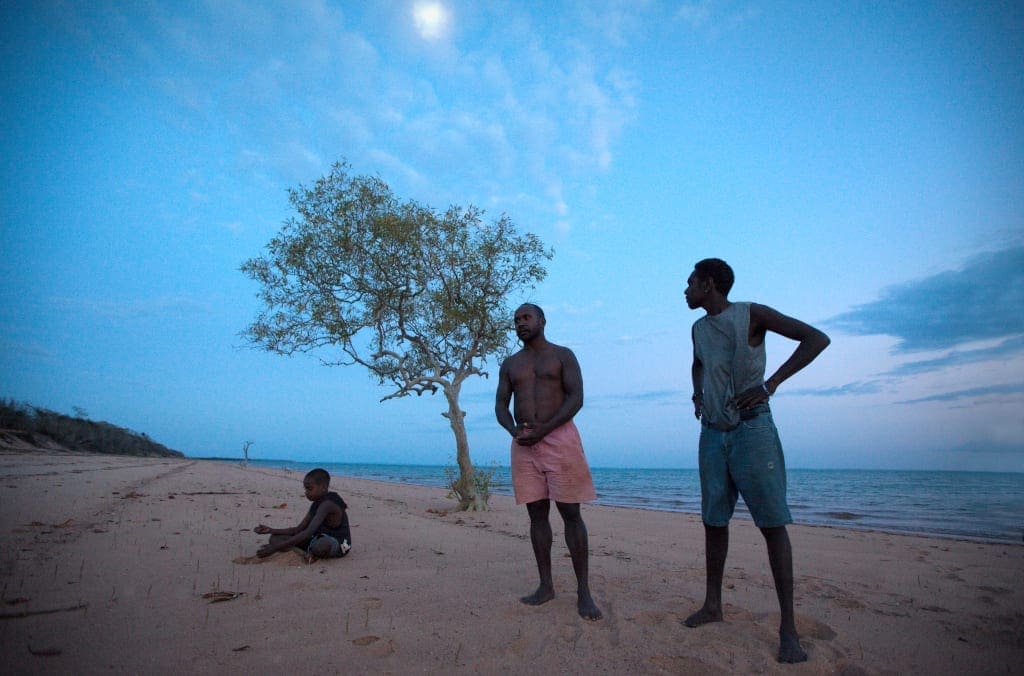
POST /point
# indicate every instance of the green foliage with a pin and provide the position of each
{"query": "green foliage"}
(416, 297)
(77, 433)
(482, 479)
(420, 299)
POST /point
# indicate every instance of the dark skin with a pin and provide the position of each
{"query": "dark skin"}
(702, 293)
(548, 387)
(328, 513)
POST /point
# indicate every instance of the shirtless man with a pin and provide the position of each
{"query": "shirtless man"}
(547, 454)
(740, 452)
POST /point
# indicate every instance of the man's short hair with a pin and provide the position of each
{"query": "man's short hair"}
(717, 271)
(536, 308)
(320, 477)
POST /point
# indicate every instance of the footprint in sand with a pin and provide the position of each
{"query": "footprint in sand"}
(847, 602)
(813, 628)
(678, 664)
(995, 590)
(375, 645)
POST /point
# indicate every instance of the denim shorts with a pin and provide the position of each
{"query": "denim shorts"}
(743, 461)
(338, 549)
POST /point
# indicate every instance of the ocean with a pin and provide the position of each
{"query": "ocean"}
(984, 506)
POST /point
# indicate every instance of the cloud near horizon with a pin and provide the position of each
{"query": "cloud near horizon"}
(1006, 348)
(1000, 448)
(980, 301)
(649, 397)
(860, 387)
(973, 392)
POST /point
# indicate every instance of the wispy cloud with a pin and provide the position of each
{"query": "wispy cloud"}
(971, 393)
(1006, 348)
(179, 306)
(1001, 448)
(855, 388)
(981, 301)
(646, 337)
(715, 17)
(697, 14)
(574, 310)
(648, 397)
(616, 21)
(26, 350)
(310, 83)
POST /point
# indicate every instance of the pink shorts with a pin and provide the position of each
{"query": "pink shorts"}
(554, 468)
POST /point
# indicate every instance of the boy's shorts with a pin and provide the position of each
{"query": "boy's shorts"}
(338, 549)
(745, 461)
(554, 468)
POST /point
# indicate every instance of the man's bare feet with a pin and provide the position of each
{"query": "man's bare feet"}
(542, 595)
(703, 616)
(587, 609)
(790, 651)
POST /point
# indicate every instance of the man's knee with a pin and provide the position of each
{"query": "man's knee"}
(322, 548)
(775, 534)
(570, 511)
(538, 510)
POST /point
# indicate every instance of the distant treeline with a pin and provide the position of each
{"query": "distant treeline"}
(36, 426)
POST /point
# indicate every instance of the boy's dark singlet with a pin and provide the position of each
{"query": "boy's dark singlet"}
(341, 533)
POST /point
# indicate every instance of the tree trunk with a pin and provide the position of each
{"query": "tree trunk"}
(465, 486)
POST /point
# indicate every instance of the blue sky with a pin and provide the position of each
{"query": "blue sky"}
(861, 166)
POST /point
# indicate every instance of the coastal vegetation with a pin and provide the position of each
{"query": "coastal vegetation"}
(25, 426)
(418, 298)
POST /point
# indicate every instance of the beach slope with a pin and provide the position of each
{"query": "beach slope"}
(145, 565)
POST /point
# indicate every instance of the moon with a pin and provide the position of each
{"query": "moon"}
(431, 18)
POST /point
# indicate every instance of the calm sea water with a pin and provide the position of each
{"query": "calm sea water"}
(979, 505)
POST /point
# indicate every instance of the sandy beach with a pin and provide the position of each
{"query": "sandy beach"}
(142, 565)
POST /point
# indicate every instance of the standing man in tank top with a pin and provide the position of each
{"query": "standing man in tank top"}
(740, 452)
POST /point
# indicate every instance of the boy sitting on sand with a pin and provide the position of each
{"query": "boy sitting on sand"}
(323, 533)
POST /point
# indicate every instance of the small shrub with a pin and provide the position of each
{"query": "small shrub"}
(482, 478)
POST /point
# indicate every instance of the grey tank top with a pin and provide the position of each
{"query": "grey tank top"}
(731, 365)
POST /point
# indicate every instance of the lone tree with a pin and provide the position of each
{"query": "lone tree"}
(416, 297)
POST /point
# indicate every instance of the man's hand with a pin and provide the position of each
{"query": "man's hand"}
(752, 397)
(265, 551)
(261, 529)
(529, 434)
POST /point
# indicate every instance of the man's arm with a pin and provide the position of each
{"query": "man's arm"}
(812, 342)
(292, 530)
(503, 398)
(697, 376)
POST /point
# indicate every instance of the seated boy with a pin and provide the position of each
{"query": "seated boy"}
(323, 533)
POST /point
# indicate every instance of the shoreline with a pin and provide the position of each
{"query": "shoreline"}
(741, 513)
(103, 553)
